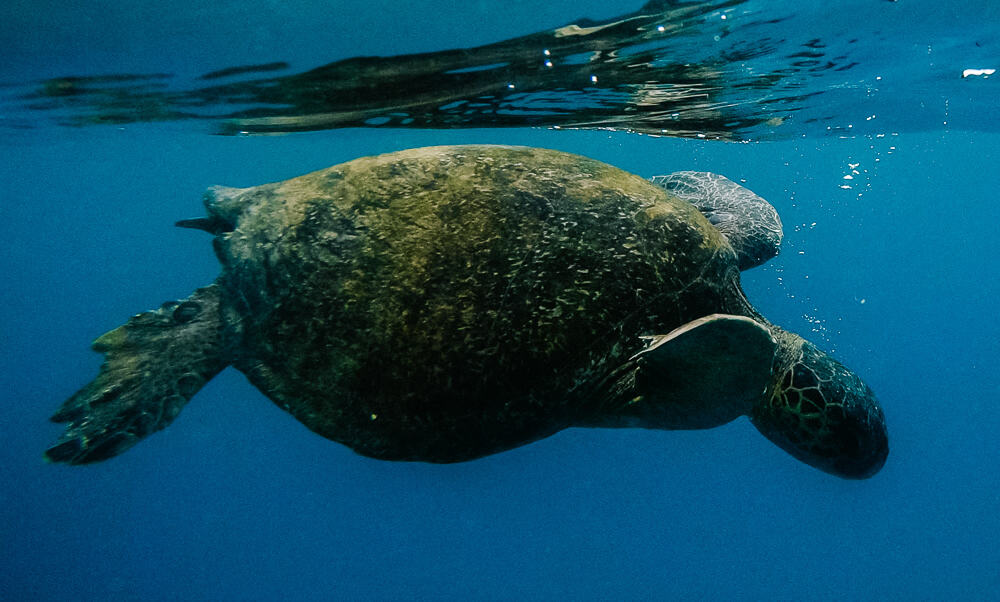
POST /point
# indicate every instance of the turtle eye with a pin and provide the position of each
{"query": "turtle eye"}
(186, 311)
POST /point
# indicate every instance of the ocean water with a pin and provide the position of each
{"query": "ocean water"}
(861, 123)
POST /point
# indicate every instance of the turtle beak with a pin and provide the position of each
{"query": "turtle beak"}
(861, 438)
(822, 413)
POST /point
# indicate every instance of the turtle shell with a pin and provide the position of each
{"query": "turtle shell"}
(444, 303)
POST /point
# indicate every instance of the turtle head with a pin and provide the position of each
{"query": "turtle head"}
(821, 412)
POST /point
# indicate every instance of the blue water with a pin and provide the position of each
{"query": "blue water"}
(236, 500)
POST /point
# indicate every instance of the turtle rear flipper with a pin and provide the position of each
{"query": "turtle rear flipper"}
(153, 365)
(749, 223)
(704, 374)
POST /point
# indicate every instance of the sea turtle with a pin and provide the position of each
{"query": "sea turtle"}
(444, 303)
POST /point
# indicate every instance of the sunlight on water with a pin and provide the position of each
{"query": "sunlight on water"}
(721, 69)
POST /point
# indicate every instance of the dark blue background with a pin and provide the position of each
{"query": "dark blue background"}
(238, 501)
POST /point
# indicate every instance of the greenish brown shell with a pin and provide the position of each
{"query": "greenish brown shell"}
(444, 303)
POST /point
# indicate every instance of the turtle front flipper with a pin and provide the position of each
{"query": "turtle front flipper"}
(153, 365)
(749, 223)
(706, 373)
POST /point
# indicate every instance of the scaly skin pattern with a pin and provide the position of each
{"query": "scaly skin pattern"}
(444, 303)
(820, 412)
(749, 223)
(153, 365)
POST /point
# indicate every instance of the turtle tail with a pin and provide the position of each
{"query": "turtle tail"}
(153, 365)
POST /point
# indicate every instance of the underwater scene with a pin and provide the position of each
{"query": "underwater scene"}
(500, 301)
